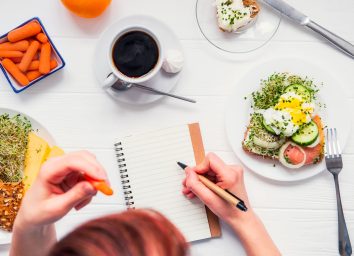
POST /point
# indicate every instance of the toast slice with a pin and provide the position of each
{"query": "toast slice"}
(256, 128)
(10, 199)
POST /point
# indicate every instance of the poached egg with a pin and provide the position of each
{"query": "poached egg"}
(232, 14)
(286, 117)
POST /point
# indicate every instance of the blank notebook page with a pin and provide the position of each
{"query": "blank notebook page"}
(155, 179)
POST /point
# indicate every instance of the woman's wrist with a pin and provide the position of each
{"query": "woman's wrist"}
(243, 221)
(26, 239)
(253, 234)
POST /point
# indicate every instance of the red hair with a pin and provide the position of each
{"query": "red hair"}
(134, 232)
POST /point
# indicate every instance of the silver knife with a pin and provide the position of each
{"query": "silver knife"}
(303, 20)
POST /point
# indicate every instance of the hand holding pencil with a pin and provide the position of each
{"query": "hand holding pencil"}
(227, 178)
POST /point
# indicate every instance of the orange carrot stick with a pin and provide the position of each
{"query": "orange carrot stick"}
(33, 66)
(36, 56)
(53, 64)
(32, 75)
(41, 37)
(100, 185)
(16, 59)
(15, 72)
(44, 59)
(28, 57)
(28, 30)
(18, 46)
(32, 40)
(10, 54)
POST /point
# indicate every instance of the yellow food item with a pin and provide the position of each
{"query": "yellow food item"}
(54, 152)
(87, 8)
(36, 153)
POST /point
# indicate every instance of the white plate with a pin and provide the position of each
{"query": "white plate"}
(40, 130)
(238, 109)
(162, 81)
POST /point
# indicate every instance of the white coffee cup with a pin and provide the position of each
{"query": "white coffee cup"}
(116, 75)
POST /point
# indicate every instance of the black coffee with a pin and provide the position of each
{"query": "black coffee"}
(135, 54)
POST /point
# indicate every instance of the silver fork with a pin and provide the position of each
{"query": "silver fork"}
(334, 165)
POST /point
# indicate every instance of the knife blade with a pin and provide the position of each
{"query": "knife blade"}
(300, 18)
(289, 11)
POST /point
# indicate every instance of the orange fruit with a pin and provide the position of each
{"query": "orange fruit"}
(87, 8)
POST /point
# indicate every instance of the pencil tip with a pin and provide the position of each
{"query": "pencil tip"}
(182, 165)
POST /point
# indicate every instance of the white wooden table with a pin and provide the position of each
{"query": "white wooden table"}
(301, 217)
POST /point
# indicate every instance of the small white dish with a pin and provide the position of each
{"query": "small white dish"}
(40, 130)
(161, 81)
(238, 110)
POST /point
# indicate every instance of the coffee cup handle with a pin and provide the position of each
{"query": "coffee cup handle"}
(109, 81)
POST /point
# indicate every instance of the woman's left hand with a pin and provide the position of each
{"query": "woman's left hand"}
(59, 187)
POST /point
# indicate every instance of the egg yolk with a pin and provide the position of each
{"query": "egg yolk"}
(294, 106)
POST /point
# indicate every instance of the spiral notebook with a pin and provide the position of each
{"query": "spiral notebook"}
(152, 179)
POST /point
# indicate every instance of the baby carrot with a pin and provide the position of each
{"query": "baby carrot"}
(28, 30)
(41, 37)
(36, 56)
(10, 54)
(32, 75)
(100, 185)
(53, 64)
(32, 40)
(16, 59)
(44, 59)
(33, 66)
(18, 46)
(28, 57)
(15, 72)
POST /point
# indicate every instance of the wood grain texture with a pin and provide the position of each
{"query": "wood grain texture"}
(300, 217)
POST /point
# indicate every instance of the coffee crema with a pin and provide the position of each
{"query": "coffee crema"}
(135, 54)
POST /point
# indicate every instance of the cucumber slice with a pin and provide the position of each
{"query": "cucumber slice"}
(300, 90)
(267, 127)
(266, 144)
(306, 135)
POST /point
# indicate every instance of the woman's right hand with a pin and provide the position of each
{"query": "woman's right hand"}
(246, 225)
(228, 177)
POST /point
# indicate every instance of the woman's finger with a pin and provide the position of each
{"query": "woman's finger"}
(186, 190)
(92, 159)
(74, 196)
(83, 203)
(211, 163)
(58, 168)
(207, 196)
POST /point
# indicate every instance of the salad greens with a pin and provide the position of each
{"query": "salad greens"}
(13, 142)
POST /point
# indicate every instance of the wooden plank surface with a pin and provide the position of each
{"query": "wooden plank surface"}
(301, 217)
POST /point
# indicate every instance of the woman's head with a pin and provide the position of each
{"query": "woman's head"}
(135, 232)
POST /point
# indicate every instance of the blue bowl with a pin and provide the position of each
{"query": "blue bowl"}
(16, 87)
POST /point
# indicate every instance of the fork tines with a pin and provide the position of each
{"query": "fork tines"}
(332, 149)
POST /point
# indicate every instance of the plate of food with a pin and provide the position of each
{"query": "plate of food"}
(24, 145)
(276, 117)
(236, 26)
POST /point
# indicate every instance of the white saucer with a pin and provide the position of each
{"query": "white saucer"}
(162, 80)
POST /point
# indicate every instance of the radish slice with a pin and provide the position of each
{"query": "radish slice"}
(317, 141)
(266, 144)
(282, 159)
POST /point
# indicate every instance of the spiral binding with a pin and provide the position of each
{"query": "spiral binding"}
(128, 194)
